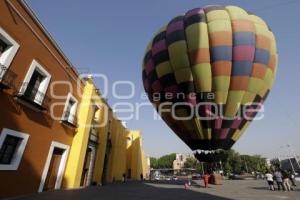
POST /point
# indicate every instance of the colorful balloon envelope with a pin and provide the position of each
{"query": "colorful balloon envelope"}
(208, 72)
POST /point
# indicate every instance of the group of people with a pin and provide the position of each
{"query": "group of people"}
(282, 179)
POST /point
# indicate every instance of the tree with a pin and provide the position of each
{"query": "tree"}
(153, 162)
(190, 163)
(233, 163)
(163, 162)
(238, 164)
(166, 161)
(254, 163)
(194, 164)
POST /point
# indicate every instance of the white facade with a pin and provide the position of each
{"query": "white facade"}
(178, 163)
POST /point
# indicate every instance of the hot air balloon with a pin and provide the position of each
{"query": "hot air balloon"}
(213, 63)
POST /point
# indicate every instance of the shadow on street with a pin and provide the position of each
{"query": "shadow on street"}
(129, 190)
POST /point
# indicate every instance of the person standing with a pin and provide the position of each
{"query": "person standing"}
(285, 176)
(278, 178)
(269, 177)
(124, 178)
(292, 178)
(205, 180)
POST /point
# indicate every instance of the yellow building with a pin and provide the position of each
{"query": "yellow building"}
(103, 149)
(79, 170)
(138, 165)
(117, 159)
(42, 144)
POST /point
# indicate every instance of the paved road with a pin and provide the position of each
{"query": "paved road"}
(232, 189)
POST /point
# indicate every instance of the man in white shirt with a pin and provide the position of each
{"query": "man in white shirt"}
(269, 177)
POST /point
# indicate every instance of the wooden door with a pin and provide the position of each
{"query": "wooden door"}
(53, 169)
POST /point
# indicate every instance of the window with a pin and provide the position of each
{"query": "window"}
(8, 50)
(95, 120)
(12, 146)
(35, 85)
(69, 114)
(8, 148)
(3, 47)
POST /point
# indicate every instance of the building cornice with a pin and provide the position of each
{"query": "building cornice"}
(47, 33)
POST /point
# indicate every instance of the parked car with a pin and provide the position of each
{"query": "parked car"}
(234, 177)
(196, 177)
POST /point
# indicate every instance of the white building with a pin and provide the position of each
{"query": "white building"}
(178, 163)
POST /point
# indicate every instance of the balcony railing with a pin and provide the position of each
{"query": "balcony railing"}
(33, 97)
(69, 119)
(7, 77)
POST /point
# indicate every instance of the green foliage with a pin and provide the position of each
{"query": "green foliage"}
(163, 162)
(190, 163)
(235, 163)
(194, 164)
(153, 163)
(238, 164)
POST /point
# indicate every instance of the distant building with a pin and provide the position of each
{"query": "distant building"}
(178, 163)
(292, 163)
(268, 162)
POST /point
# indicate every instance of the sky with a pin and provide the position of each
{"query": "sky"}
(109, 37)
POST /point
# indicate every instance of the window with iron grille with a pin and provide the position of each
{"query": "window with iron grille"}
(8, 50)
(35, 85)
(32, 89)
(69, 114)
(68, 110)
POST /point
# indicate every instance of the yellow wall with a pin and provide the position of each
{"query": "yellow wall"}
(79, 145)
(103, 130)
(78, 149)
(124, 154)
(117, 160)
(137, 161)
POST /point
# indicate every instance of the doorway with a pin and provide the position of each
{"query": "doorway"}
(54, 167)
(88, 167)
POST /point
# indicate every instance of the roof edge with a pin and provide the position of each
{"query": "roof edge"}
(47, 33)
